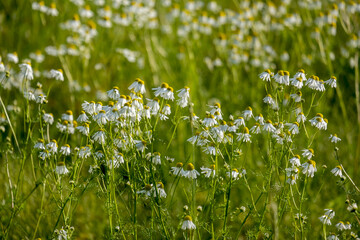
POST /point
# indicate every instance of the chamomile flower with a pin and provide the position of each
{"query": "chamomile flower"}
(68, 116)
(188, 224)
(309, 168)
(140, 145)
(319, 122)
(99, 136)
(340, 226)
(260, 119)
(178, 170)
(159, 191)
(156, 158)
(84, 129)
(114, 93)
(52, 146)
(269, 100)
(332, 236)
(48, 118)
(308, 153)
(154, 105)
(65, 150)
(138, 86)
(256, 129)
(208, 172)
(244, 136)
(13, 57)
(57, 74)
(41, 98)
(82, 117)
(266, 75)
(331, 82)
(234, 174)
(239, 122)
(297, 82)
(184, 96)
(295, 161)
(190, 172)
(293, 127)
(27, 71)
(84, 152)
(300, 118)
(337, 171)
(247, 114)
(334, 138)
(44, 154)
(209, 120)
(101, 118)
(269, 127)
(40, 144)
(296, 96)
(61, 168)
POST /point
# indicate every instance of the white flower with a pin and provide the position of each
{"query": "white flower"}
(114, 93)
(300, 74)
(41, 99)
(101, 118)
(293, 127)
(208, 172)
(269, 100)
(325, 219)
(44, 154)
(99, 136)
(138, 86)
(268, 127)
(27, 71)
(52, 146)
(334, 138)
(82, 117)
(209, 120)
(188, 224)
(340, 226)
(266, 75)
(247, 114)
(244, 136)
(239, 122)
(331, 82)
(48, 118)
(319, 122)
(332, 236)
(84, 152)
(178, 170)
(84, 129)
(154, 105)
(57, 74)
(308, 153)
(190, 172)
(256, 129)
(184, 95)
(166, 110)
(140, 145)
(297, 82)
(300, 117)
(234, 174)
(337, 171)
(40, 144)
(296, 96)
(156, 158)
(309, 168)
(295, 161)
(61, 168)
(65, 150)
(13, 57)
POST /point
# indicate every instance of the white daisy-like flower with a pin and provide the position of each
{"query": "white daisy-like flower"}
(301, 74)
(296, 96)
(308, 153)
(239, 122)
(65, 150)
(68, 116)
(295, 161)
(99, 136)
(325, 219)
(178, 170)
(297, 82)
(190, 172)
(138, 86)
(260, 119)
(234, 174)
(114, 93)
(300, 117)
(332, 236)
(57, 74)
(309, 168)
(334, 138)
(266, 75)
(40, 144)
(319, 122)
(140, 145)
(159, 191)
(340, 226)
(154, 105)
(188, 224)
(41, 98)
(331, 82)
(84, 152)
(101, 118)
(247, 114)
(52, 146)
(256, 129)
(337, 171)
(269, 100)
(61, 168)
(27, 71)
(269, 127)
(156, 158)
(44, 154)
(244, 136)
(293, 127)
(209, 120)
(84, 129)
(184, 95)
(13, 57)
(48, 118)
(89, 107)
(208, 172)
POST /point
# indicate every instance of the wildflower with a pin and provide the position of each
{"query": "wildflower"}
(332, 236)
(41, 99)
(65, 150)
(48, 118)
(209, 120)
(154, 105)
(319, 122)
(337, 171)
(334, 138)
(156, 159)
(84, 129)
(184, 95)
(57, 74)
(101, 118)
(247, 114)
(140, 145)
(84, 152)
(301, 74)
(40, 144)
(352, 207)
(256, 129)
(348, 225)
(82, 117)
(340, 226)
(166, 110)
(331, 82)
(61, 168)
(89, 107)
(268, 127)
(234, 174)
(188, 224)
(160, 190)
(269, 100)
(295, 161)
(138, 86)
(114, 93)
(309, 168)
(308, 153)
(146, 191)
(99, 136)
(301, 117)
(68, 116)
(52, 11)
(266, 75)
(52, 146)
(44, 154)
(208, 172)
(27, 71)
(190, 171)
(178, 170)
(244, 136)
(297, 82)
(13, 57)
(296, 96)
(293, 127)
(282, 77)
(239, 122)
